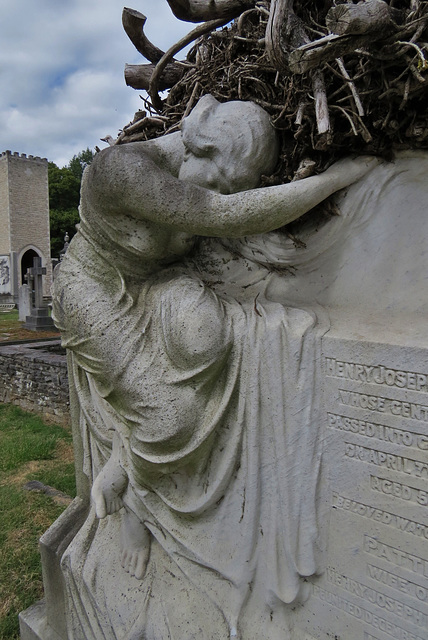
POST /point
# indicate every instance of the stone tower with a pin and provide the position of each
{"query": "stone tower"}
(24, 221)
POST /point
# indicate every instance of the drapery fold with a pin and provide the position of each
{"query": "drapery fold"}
(226, 482)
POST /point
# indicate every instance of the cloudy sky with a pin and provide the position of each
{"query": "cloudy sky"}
(61, 72)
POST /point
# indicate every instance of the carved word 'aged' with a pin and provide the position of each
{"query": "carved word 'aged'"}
(399, 490)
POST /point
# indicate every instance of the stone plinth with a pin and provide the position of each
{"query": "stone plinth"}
(39, 320)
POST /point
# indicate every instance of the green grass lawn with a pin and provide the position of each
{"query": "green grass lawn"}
(8, 319)
(12, 329)
(29, 450)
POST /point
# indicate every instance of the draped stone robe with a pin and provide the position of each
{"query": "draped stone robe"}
(212, 397)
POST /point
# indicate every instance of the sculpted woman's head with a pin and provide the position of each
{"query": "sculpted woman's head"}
(228, 146)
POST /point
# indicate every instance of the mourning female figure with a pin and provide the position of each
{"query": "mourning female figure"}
(203, 472)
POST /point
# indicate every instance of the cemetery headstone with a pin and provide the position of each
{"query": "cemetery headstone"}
(39, 318)
(250, 410)
(24, 302)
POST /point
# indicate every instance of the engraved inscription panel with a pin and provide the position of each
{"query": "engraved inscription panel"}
(375, 471)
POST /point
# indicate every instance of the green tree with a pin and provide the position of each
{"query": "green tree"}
(64, 188)
(64, 195)
(60, 223)
(78, 163)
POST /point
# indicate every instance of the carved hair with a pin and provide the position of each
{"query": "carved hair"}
(240, 132)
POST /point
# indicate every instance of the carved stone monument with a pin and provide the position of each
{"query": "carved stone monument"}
(250, 409)
(24, 302)
(39, 318)
(246, 433)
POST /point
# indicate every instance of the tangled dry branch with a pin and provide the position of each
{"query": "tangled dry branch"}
(369, 77)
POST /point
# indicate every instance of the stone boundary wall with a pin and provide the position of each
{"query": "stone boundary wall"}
(34, 377)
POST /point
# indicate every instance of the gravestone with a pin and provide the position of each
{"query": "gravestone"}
(39, 318)
(326, 526)
(250, 411)
(24, 302)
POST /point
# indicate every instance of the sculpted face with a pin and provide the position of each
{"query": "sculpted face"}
(204, 169)
(228, 146)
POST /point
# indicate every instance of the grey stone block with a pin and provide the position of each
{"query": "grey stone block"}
(33, 624)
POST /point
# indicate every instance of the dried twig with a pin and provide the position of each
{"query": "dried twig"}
(351, 85)
(376, 95)
(193, 35)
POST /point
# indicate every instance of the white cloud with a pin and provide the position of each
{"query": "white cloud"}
(61, 72)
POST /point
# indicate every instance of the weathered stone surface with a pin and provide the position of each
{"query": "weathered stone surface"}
(24, 302)
(33, 624)
(375, 584)
(221, 398)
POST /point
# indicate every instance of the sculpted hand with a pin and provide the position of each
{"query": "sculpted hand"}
(107, 489)
(98, 499)
(349, 170)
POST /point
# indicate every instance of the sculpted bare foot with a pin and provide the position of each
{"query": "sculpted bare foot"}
(135, 545)
(108, 488)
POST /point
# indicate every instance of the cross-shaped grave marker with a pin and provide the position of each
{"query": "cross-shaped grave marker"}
(39, 318)
(36, 272)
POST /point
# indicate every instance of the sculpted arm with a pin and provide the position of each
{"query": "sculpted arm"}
(166, 152)
(128, 179)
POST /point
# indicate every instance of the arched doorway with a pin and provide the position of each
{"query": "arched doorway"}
(27, 262)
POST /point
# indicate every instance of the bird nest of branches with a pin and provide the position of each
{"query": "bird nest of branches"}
(337, 79)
